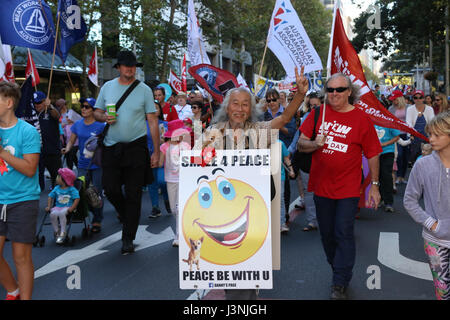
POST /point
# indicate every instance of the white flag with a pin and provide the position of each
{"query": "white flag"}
(6, 63)
(93, 68)
(196, 48)
(289, 41)
(242, 82)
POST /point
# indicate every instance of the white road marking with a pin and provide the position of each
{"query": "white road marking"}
(389, 255)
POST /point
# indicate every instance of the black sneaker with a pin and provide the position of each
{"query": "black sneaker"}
(155, 213)
(338, 293)
(127, 246)
(167, 204)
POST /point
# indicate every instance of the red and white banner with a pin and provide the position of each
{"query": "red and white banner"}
(175, 82)
(93, 68)
(32, 71)
(216, 81)
(344, 59)
(6, 63)
(183, 76)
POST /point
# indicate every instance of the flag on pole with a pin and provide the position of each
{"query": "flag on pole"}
(25, 110)
(289, 41)
(216, 81)
(31, 70)
(93, 68)
(72, 26)
(183, 76)
(175, 82)
(196, 48)
(242, 82)
(6, 63)
(27, 23)
(344, 59)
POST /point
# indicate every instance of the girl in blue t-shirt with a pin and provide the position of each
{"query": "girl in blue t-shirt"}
(66, 198)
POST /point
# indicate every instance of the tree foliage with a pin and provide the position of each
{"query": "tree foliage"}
(407, 26)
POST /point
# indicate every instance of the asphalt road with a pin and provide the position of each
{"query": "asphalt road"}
(94, 269)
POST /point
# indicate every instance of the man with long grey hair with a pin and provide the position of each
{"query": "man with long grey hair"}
(237, 119)
(344, 133)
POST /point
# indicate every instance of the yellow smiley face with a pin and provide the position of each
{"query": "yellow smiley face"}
(231, 216)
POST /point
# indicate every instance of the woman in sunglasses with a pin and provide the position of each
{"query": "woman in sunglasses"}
(82, 130)
(335, 175)
(417, 116)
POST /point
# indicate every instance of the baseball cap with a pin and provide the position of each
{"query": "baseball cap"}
(90, 101)
(39, 96)
(395, 94)
(418, 92)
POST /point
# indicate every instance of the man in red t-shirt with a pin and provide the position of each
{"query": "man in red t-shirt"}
(169, 111)
(335, 175)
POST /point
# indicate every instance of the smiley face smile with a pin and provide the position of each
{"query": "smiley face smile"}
(232, 233)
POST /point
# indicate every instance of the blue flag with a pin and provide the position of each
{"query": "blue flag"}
(72, 25)
(27, 23)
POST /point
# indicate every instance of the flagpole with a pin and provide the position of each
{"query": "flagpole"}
(264, 55)
(53, 57)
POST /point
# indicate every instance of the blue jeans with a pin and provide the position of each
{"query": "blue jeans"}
(96, 178)
(158, 182)
(336, 220)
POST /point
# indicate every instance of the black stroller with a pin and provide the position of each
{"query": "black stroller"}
(78, 216)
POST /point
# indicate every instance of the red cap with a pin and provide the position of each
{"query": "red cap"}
(395, 94)
(418, 92)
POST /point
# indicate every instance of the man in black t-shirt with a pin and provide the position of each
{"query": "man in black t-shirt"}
(50, 157)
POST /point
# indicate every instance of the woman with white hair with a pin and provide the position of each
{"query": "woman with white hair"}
(239, 111)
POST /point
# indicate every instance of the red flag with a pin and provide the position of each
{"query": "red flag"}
(93, 68)
(216, 81)
(6, 63)
(32, 71)
(175, 82)
(344, 59)
(183, 75)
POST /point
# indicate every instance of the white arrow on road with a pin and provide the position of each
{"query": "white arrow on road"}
(144, 239)
(389, 255)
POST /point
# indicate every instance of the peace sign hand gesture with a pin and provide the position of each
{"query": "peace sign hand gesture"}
(302, 82)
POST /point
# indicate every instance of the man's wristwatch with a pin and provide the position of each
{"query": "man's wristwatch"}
(375, 183)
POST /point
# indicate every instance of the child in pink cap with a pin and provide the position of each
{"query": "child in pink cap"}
(66, 198)
(178, 136)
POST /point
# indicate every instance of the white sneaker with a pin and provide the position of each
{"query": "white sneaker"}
(300, 205)
(60, 239)
(175, 243)
(284, 228)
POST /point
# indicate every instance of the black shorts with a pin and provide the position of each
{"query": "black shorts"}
(20, 224)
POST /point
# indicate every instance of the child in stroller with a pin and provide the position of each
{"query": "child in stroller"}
(66, 198)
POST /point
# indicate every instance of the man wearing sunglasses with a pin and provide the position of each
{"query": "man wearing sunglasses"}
(417, 116)
(335, 175)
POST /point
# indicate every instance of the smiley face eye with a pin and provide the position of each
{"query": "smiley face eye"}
(204, 195)
(226, 189)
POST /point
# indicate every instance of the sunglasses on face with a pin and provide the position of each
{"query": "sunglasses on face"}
(271, 100)
(85, 106)
(417, 98)
(437, 99)
(338, 89)
(195, 107)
